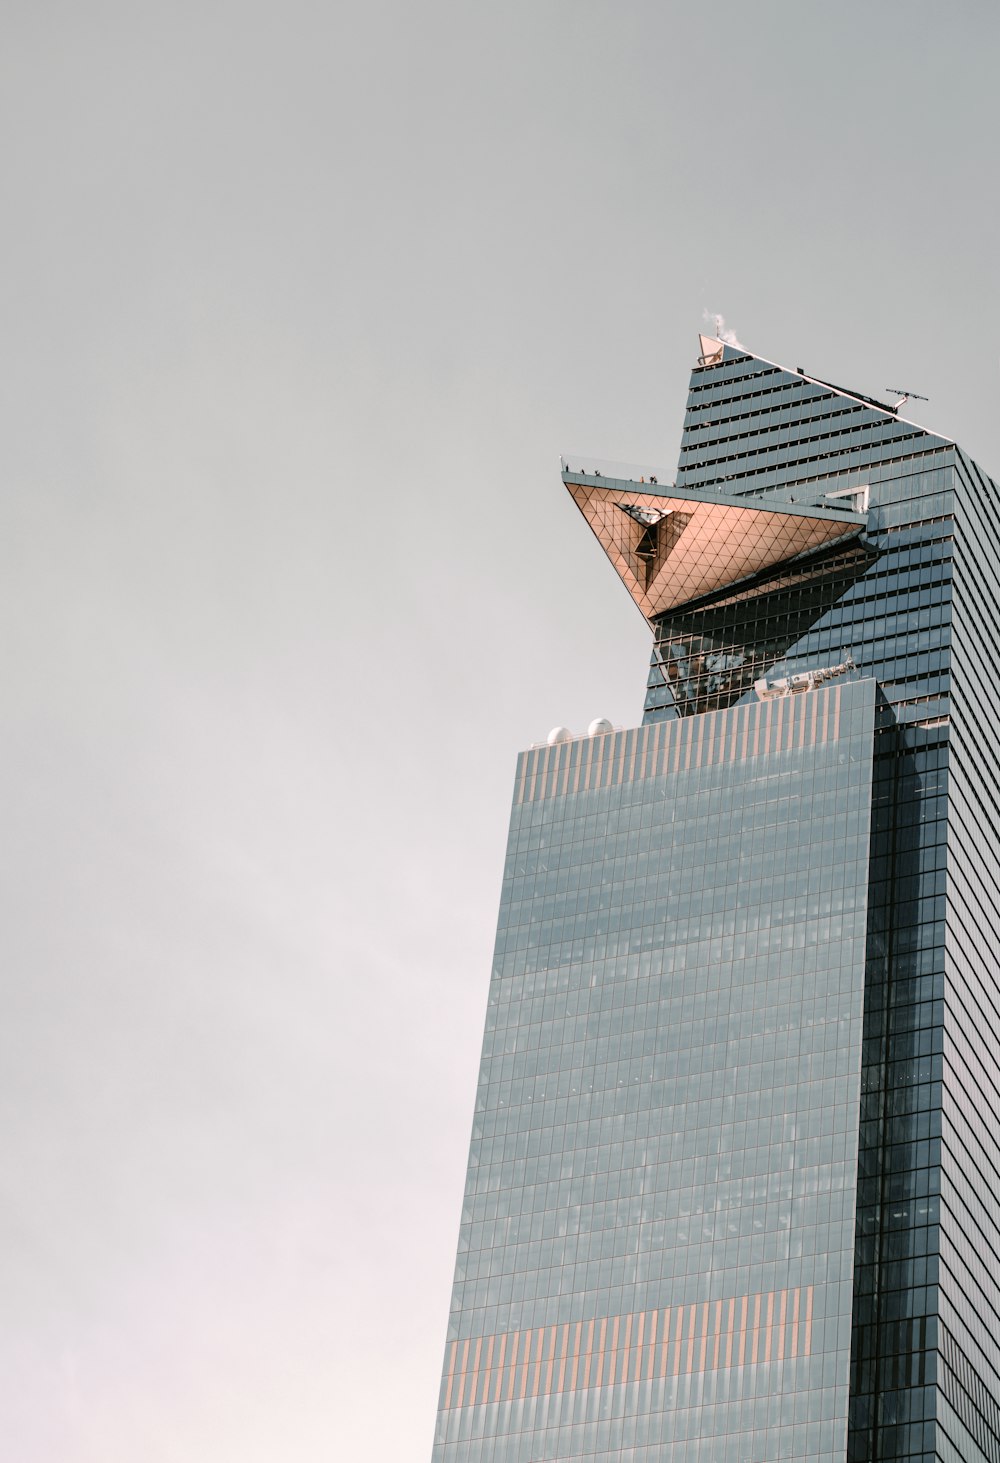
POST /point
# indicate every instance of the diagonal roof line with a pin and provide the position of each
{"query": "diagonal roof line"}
(745, 351)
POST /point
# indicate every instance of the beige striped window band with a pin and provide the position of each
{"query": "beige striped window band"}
(642, 1346)
(662, 747)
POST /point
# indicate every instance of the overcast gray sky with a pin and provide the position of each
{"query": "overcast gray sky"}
(300, 305)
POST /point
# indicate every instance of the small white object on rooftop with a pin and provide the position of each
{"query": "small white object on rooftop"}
(803, 681)
(559, 734)
(599, 727)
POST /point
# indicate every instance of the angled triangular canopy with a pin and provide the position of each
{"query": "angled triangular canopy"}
(677, 545)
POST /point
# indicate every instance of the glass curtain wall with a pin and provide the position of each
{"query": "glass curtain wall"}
(640, 1267)
(657, 1246)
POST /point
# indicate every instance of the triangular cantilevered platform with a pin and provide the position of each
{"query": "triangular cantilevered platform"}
(674, 545)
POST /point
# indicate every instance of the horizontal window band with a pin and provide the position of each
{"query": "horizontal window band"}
(738, 734)
(641, 1346)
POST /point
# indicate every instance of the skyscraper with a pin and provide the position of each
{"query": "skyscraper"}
(734, 1183)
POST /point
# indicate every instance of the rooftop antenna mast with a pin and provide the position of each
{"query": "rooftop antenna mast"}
(904, 397)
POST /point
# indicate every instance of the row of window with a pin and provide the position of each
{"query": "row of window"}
(789, 451)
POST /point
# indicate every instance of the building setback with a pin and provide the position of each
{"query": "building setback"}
(734, 1182)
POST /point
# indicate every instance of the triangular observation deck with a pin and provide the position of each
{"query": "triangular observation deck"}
(673, 545)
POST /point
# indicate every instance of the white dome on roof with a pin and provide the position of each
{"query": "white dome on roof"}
(559, 734)
(599, 727)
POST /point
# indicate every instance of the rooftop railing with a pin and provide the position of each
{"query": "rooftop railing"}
(605, 467)
(852, 502)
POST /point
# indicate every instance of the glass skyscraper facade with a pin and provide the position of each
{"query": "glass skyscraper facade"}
(734, 1182)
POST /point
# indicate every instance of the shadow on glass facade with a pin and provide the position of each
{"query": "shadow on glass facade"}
(734, 1181)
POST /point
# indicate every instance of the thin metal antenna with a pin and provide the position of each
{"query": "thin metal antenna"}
(904, 396)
